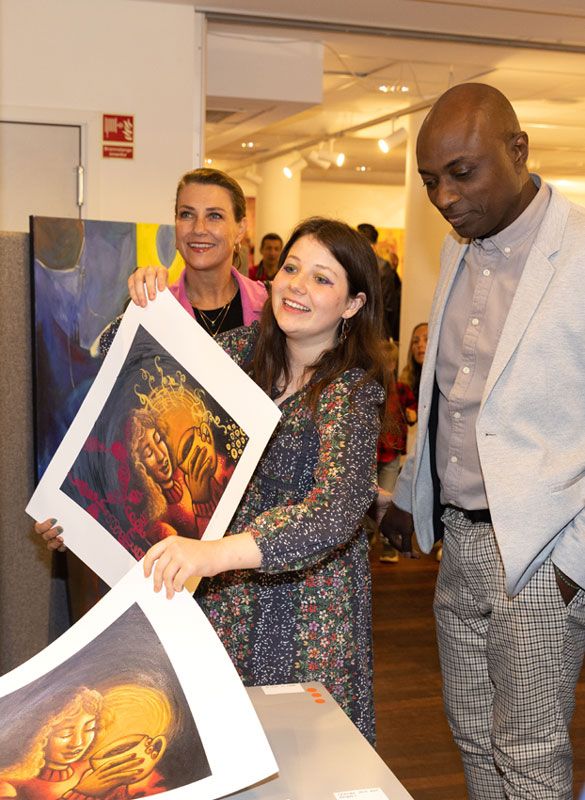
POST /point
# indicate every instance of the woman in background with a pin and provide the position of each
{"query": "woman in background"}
(401, 412)
(417, 348)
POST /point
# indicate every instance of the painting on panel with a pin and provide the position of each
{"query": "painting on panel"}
(390, 245)
(80, 273)
(164, 443)
(138, 698)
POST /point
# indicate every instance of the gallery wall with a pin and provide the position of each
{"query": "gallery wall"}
(77, 59)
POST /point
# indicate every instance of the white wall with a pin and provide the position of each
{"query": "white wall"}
(381, 206)
(76, 59)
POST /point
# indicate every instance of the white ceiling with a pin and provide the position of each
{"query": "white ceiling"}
(547, 90)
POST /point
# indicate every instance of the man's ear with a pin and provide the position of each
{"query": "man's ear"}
(519, 149)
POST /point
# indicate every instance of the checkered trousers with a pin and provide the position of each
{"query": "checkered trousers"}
(510, 666)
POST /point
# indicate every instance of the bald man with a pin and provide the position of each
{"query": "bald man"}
(499, 465)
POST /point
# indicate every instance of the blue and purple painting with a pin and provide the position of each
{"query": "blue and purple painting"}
(80, 274)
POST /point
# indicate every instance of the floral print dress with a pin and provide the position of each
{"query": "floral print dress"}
(305, 614)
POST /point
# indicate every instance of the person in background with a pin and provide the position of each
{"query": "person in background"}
(417, 349)
(390, 285)
(410, 376)
(499, 462)
(400, 413)
(270, 250)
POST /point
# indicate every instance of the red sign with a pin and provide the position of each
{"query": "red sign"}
(118, 128)
(117, 151)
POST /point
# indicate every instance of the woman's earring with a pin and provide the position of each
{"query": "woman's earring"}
(344, 331)
(237, 258)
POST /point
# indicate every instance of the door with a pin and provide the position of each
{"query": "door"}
(38, 172)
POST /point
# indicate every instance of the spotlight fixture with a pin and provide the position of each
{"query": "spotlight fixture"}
(315, 157)
(253, 177)
(295, 166)
(395, 139)
(333, 158)
(247, 145)
(395, 88)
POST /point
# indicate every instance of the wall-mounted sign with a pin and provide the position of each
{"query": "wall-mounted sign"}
(117, 151)
(118, 136)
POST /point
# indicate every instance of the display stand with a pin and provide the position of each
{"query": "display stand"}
(320, 753)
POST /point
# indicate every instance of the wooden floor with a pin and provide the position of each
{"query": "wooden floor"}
(413, 737)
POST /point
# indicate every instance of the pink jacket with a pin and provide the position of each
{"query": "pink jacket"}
(253, 294)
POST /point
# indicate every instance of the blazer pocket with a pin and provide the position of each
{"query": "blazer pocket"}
(559, 487)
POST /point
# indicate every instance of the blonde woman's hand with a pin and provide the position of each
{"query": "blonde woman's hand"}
(51, 533)
(145, 282)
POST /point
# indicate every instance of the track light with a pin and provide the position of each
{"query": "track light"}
(253, 177)
(395, 139)
(295, 166)
(333, 158)
(316, 159)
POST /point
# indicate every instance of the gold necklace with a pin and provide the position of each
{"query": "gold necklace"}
(213, 324)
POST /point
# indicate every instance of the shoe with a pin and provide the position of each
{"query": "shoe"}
(389, 555)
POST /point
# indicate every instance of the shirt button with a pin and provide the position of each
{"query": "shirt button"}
(465, 370)
(453, 459)
(457, 415)
(506, 250)
(475, 321)
(486, 272)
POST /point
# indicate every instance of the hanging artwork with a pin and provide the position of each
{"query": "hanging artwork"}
(80, 274)
(390, 246)
(165, 442)
(138, 698)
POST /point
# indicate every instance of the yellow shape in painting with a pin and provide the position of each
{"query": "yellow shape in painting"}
(147, 252)
(130, 708)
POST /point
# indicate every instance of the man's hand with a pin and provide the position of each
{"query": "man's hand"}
(398, 527)
(567, 587)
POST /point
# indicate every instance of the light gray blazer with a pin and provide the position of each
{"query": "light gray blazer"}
(531, 423)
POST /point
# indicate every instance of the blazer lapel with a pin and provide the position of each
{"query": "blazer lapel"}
(536, 276)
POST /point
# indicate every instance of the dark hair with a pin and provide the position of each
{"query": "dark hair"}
(361, 347)
(272, 237)
(368, 231)
(215, 177)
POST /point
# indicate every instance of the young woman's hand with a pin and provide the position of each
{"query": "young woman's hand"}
(145, 282)
(51, 533)
(174, 560)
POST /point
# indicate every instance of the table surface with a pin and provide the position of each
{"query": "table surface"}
(318, 749)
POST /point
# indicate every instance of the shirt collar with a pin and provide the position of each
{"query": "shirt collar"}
(508, 240)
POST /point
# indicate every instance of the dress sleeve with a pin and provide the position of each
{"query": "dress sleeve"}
(293, 537)
(239, 342)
